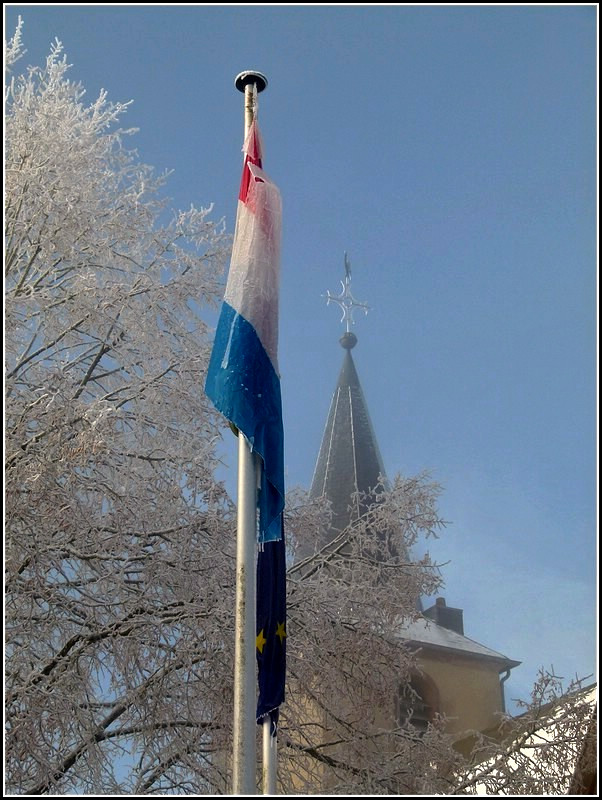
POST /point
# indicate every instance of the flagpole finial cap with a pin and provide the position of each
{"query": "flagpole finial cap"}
(250, 76)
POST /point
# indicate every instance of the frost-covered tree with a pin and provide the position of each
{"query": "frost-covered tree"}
(339, 731)
(346, 660)
(118, 538)
(549, 749)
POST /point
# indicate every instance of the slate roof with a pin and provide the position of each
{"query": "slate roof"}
(426, 632)
(349, 460)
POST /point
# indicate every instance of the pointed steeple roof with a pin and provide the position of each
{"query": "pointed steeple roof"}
(349, 460)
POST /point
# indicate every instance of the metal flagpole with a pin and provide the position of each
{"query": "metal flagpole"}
(243, 766)
(270, 758)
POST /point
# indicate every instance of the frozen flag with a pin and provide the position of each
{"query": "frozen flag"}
(242, 379)
(244, 384)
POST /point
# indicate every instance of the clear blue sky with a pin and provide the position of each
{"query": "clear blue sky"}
(451, 151)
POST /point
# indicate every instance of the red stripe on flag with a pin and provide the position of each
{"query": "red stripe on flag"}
(253, 155)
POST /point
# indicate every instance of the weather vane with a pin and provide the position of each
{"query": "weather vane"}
(346, 300)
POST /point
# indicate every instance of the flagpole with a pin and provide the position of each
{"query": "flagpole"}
(269, 768)
(243, 766)
(246, 82)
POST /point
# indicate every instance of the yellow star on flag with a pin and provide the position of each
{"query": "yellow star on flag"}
(280, 632)
(260, 640)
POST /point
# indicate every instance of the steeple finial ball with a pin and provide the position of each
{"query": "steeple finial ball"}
(348, 340)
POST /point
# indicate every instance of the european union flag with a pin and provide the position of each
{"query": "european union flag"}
(271, 629)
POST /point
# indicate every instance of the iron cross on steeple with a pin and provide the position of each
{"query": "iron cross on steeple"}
(346, 300)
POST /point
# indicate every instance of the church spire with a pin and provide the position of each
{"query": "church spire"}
(349, 460)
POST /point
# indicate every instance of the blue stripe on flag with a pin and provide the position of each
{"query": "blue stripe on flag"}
(243, 385)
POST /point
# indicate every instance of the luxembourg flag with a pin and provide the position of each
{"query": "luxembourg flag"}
(243, 380)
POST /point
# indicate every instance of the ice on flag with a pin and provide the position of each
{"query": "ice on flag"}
(244, 385)
(243, 380)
